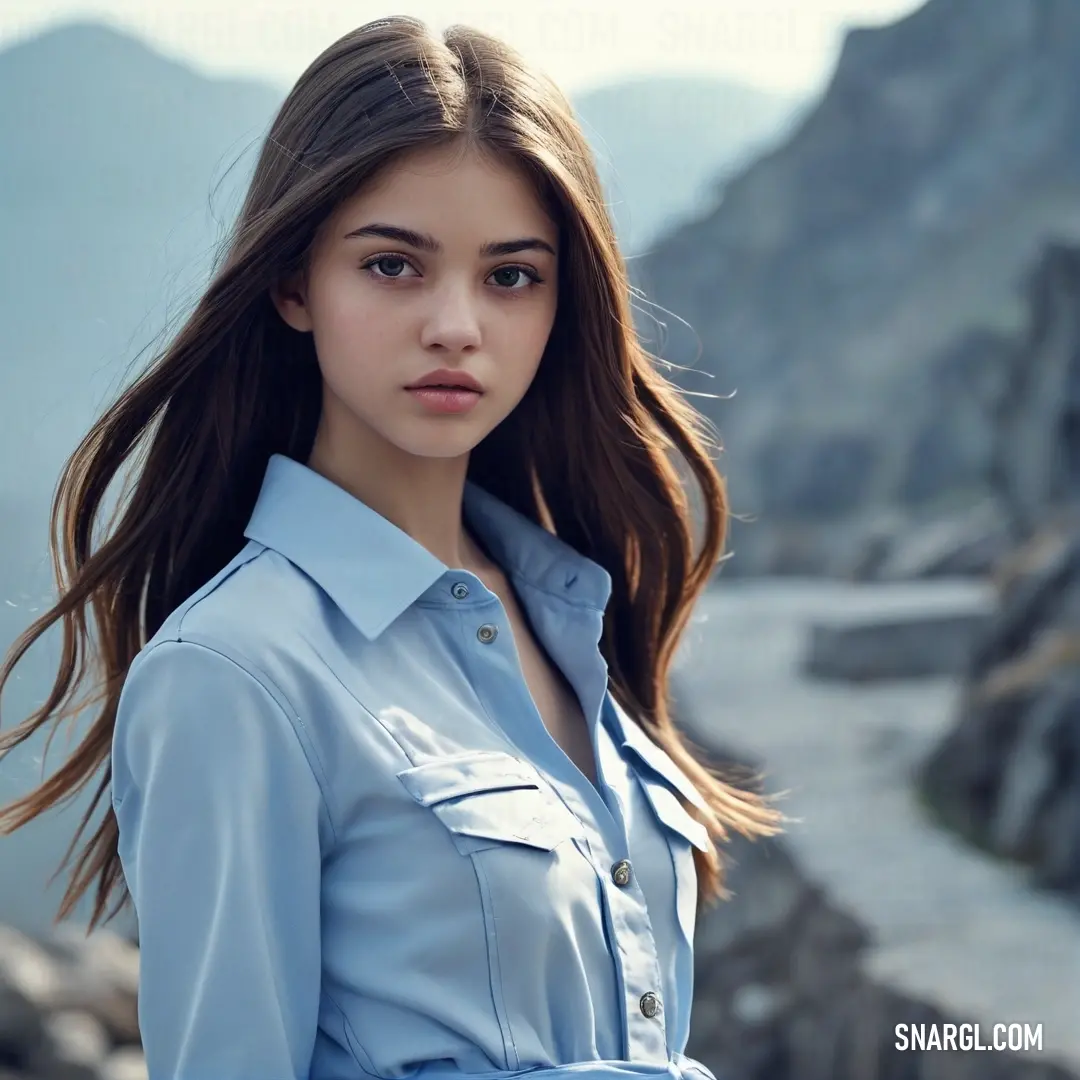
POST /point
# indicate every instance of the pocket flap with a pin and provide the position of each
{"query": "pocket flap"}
(507, 816)
(467, 774)
(489, 797)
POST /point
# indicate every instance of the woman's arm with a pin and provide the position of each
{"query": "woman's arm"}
(219, 814)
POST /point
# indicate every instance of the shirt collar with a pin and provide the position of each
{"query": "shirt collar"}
(374, 571)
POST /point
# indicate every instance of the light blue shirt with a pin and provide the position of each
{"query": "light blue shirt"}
(354, 849)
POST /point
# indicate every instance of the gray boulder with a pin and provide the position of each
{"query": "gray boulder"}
(68, 1007)
(782, 990)
(1007, 777)
(1036, 459)
(781, 993)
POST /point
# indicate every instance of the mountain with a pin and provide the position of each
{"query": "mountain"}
(664, 145)
(107, 195)
(852, 285)
(122, 170)
(1007, 775)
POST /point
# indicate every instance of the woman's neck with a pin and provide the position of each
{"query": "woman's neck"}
(421, 496)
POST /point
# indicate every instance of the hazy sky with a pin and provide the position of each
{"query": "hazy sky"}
(788, 45)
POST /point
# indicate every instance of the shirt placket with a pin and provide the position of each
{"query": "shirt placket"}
(630, 932)
(625, 914)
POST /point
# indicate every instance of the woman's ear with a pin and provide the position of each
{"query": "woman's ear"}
(290, 299)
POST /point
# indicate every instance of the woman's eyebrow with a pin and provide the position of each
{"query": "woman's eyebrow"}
(424, 242)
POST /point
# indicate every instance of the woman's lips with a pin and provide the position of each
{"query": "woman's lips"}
(445, 399)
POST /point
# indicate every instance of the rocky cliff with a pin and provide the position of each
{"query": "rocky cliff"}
(1036, 456)
(1008, 775)
(857, 288)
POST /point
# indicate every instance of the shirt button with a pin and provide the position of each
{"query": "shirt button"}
(620, 873)
(649, 1004)
(487, 633)
(460, 590)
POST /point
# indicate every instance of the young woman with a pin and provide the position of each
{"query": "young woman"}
(382, 630)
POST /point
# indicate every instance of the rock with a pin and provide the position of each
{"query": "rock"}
(75, 1048)
(756, 953)
(27, 982)
(1049, 547)
(101, 977)
(855, 305)
(1032, 458)
(127, 1063)
(780, 993)
(1028, 773)
(954, 438)
(870, 547)
(69, 1007)
(1007, 777)
(970, 543)
(946, 927)
(914, 646)
(1036, 463)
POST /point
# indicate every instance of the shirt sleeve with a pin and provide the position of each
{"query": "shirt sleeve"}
(219, 815)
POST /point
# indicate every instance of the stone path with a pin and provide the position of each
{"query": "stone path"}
(951, 925)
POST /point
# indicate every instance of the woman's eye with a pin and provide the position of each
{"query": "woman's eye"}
(515, 277)
(390, 266)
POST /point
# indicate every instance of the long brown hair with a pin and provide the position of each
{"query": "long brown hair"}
(593, 452)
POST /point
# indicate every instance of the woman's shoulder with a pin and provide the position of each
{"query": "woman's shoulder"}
(236, 647)
(256, 610)
(210, 694)
(240, 665)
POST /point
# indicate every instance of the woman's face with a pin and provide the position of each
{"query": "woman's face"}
(446, 263)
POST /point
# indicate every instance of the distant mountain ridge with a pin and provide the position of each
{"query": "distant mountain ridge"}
(667, 144)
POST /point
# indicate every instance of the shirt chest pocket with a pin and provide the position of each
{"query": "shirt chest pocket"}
(534, 890)
(489, 798)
